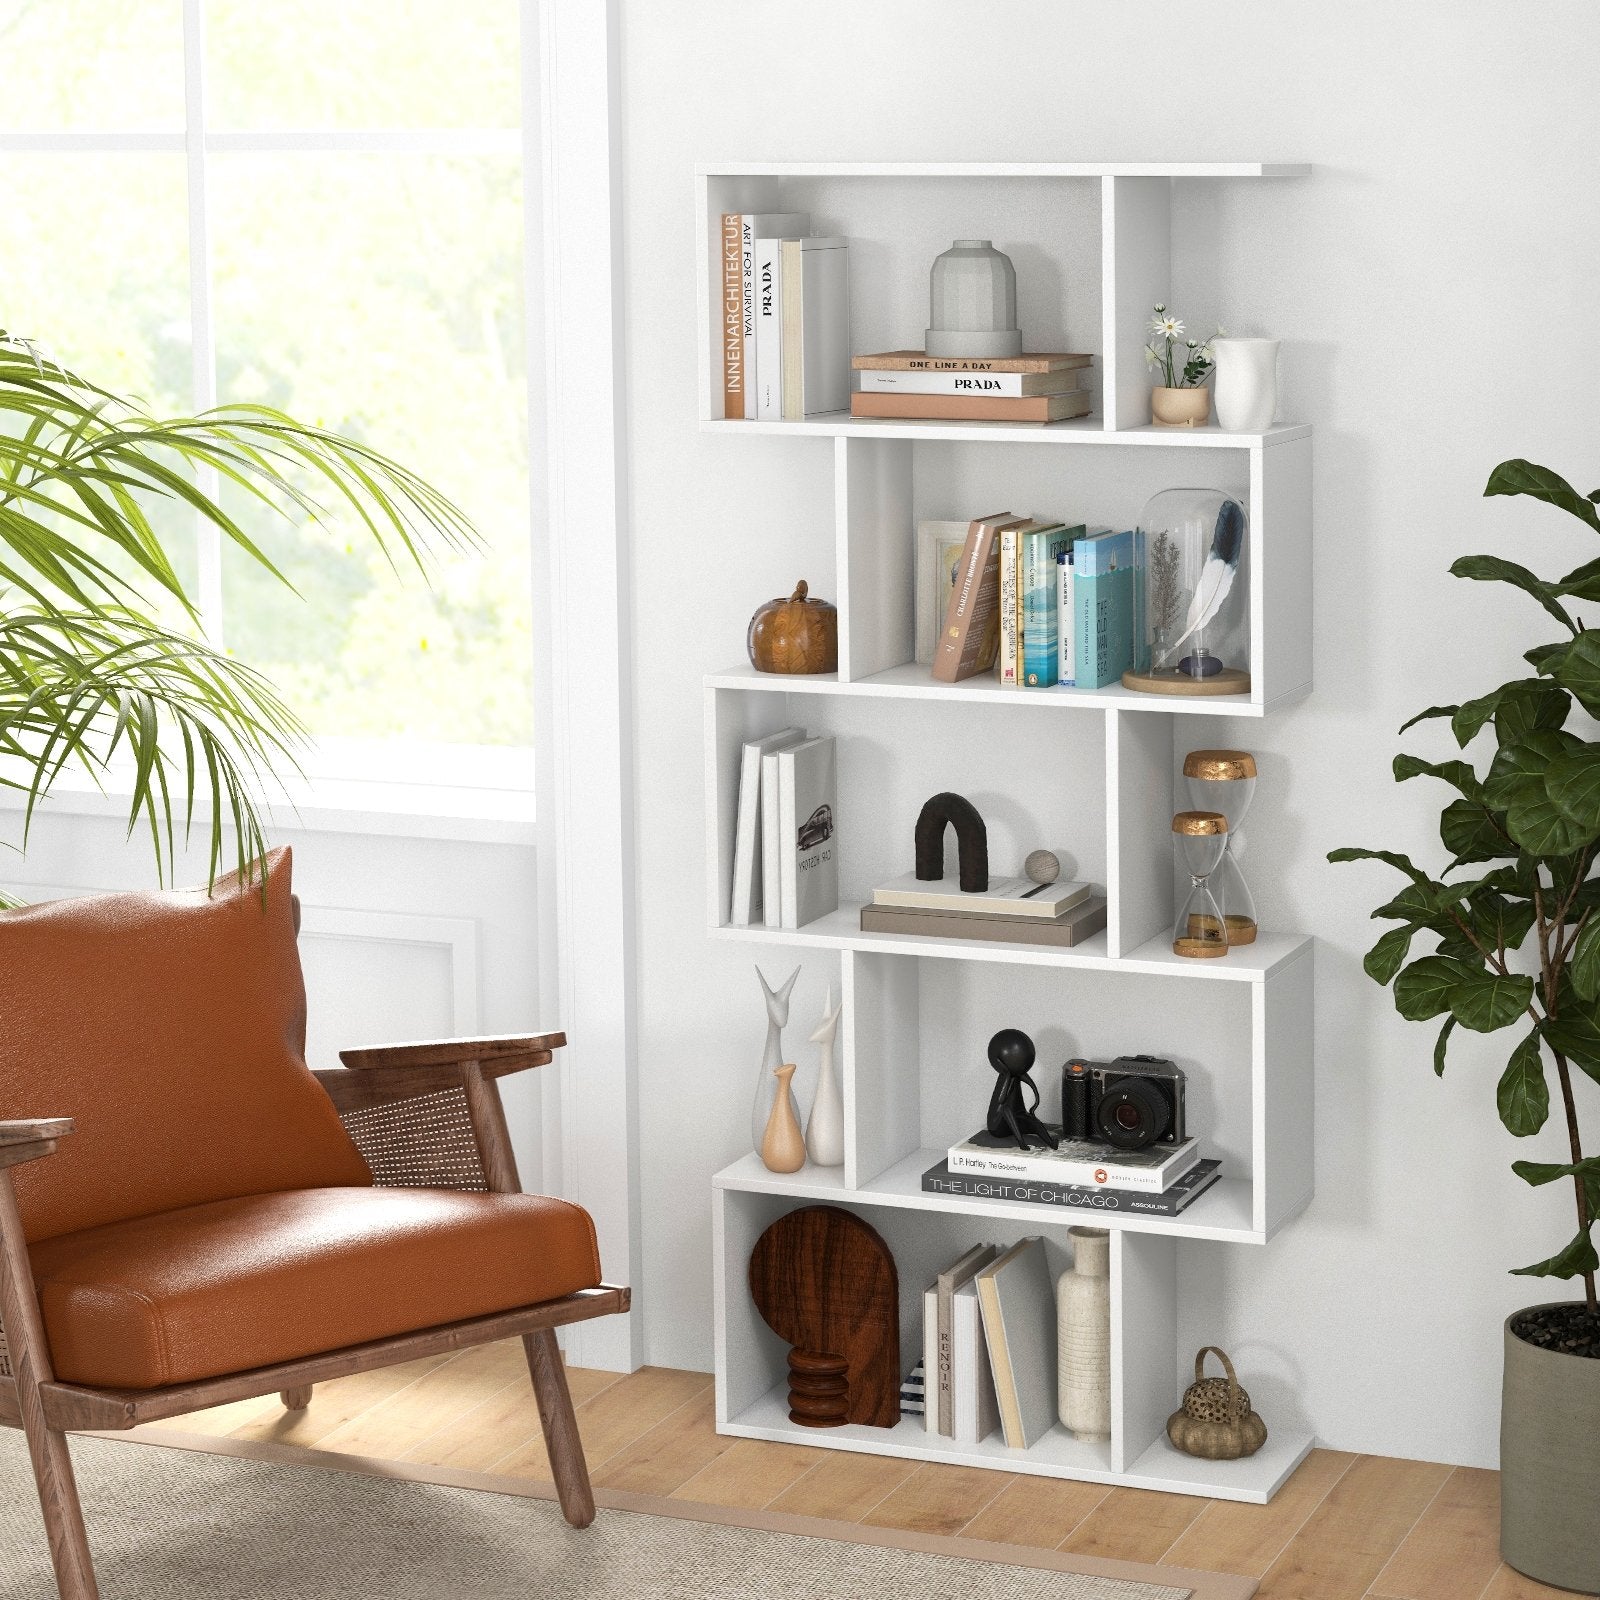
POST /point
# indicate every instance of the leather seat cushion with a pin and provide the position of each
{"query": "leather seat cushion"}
(172, 1029)
(250, 1281)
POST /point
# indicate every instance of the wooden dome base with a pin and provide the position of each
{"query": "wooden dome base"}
(1229, 681)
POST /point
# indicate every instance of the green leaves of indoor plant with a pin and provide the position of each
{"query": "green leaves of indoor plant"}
(1535, 813)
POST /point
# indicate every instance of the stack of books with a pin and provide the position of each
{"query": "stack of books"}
(785, 318)
(785, 843)
(910, 383)
(1160, 1180)
(1010, 911)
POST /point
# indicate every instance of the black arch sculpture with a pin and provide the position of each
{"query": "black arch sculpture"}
(972, 841)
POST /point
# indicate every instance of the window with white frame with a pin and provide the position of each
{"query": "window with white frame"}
(318, 205)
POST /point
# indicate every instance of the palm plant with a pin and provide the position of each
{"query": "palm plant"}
(88, 674)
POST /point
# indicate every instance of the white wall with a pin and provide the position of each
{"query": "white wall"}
(1434, 286)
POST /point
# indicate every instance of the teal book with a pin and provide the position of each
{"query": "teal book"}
(1037, 600)
(1103, 593)
(1141, 634)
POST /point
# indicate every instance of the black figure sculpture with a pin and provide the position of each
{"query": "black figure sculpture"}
(972, 841)
(1011, 1055)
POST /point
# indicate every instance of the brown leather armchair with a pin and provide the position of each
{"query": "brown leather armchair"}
(222, 1222)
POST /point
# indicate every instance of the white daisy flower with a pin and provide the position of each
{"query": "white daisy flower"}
(1165, 327)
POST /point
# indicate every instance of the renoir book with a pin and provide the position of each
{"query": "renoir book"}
(808, 868)
(1079, 1161)
(1019, 1326)
(970, 639)
(938, 1327)
(921, 361)
(1103, 595)
(814, 290)
(1195, 1182)
(740, 230)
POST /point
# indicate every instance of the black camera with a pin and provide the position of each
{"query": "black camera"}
(1131, 1102)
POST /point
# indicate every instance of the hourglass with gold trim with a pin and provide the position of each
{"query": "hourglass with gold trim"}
(1202, 841)
(1224, 781)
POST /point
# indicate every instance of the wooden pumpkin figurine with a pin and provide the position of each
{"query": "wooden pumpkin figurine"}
(797, 635)
(1215, 1421)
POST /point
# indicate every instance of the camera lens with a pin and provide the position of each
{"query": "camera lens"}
(1132, 1114)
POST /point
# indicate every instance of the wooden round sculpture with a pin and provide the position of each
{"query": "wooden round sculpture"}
(825, 1281)
(1215, 1421)
(797, 635)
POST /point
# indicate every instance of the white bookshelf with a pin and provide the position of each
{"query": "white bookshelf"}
(1100, 778)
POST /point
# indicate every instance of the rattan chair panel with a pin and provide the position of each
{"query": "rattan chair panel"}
(425, 1142)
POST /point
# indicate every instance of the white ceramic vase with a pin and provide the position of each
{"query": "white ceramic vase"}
(825, 1127)
(1083, 1337)
(972, 303)
(1246, 384)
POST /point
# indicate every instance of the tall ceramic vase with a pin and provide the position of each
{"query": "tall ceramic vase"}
(1247, 383)
(1083, 1337)
(771, 1059)
(825, 1126)
(783, 1146)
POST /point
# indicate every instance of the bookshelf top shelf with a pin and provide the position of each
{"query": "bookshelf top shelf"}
(1005, 169)
(1079, 431)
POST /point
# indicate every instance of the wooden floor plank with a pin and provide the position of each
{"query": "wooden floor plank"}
(1040, 1512)
(1232, 1537)
(614, 1419)
(1133, 1525)
(1355, 1530)
(1509, 1585)
(751, 1473)
(670, 1453)
(505, 1421)
(1454, 1549)
(844, 1487)
(938, 1498)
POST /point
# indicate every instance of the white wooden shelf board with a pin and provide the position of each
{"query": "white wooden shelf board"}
(1076, 430)
(913, 681)
(841, 930)
(1004, 169)
(1057, 1455)
(1223, 1213)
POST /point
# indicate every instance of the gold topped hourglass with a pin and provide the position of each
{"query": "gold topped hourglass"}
(1202, 841)
(1224, 781)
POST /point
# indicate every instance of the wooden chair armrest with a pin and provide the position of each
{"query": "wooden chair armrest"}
(28, 1140)
(497, 1055)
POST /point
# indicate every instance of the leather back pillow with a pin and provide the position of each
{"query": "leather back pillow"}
(172, 1028)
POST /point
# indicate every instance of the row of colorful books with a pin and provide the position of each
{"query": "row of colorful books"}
(1028, 388)
(1038, 603)
(785, 318)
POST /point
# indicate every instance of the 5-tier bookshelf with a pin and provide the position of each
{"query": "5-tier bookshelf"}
(1095, 769)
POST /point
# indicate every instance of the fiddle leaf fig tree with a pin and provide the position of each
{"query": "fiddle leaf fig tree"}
(1522, 838)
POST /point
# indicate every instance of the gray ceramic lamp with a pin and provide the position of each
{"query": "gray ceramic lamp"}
(972, 303)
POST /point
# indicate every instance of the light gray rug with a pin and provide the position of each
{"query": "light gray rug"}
(169, 1524)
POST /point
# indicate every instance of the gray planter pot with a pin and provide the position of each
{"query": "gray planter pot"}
(1550, 1465)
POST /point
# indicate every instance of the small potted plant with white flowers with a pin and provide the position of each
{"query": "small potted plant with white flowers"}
(1180, 398)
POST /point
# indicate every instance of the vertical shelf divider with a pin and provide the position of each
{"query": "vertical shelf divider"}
(882, 1060)
(1139, 810)
(1144, 1342)
(876, 562)
(1136, 274)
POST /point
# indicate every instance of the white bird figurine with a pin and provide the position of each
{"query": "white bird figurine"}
(825, 1127)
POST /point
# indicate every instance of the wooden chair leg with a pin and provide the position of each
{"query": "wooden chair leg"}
(296, 1399)
(561, 1436)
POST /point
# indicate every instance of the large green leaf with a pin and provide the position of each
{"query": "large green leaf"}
(1391, 858)
(1517, 709)
(1545, 658)
(1582, 583)
(1470, 834)
(1430, 715)
(1489, 1001)
(1541, 828)
(1523, 1096)
(1573, 783)
(1418, 904)
(1492, 569)
(1439, 1046)
(1584, 964)
(1578, 1258)
(1579, 670)
(1425, 988)
(1588, 1171)
(1388, 955)
(1574, 1032)
(1458, 774)
(1524, 477)
(1517, 764)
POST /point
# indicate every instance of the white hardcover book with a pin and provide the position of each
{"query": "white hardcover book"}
(991, 385)
(1019, 1328)
(809, 849)
(816, 327)
(755, 225)
(771, 844)
(1005, 664)
(977, 1414)
(769, 329)
(1086, 1162)
(939, 547)
(1009, 897)
(930, 1357)
(746, 901)
(1066, 657)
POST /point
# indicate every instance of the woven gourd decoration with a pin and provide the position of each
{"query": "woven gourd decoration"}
(1215, 1421)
